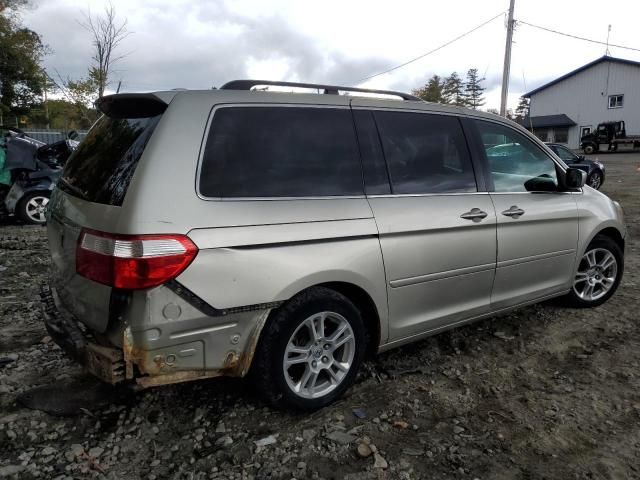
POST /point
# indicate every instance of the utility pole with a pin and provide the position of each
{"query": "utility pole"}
(46, 107)
(507, 61)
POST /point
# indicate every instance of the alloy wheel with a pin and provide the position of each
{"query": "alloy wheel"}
(596, 274)
(319, 355)
(595, 180)
(36, 208)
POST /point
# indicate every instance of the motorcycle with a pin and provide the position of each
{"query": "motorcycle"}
(34, 168)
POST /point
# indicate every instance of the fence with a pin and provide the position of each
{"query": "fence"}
(47, 135)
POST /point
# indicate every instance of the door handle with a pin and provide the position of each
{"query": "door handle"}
(513, 212)
(474, 214)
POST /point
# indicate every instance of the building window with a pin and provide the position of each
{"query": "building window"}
(541, 134)
(561, 135)
(616, 101)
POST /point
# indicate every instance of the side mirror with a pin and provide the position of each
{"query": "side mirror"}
(575, 178)
(72, 135)
(542, 183)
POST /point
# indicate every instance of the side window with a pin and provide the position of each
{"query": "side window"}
(564, 154)
(425, 153)
(281, 152)
(515, 162)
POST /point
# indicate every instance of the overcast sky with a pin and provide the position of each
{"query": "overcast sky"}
(199, 44)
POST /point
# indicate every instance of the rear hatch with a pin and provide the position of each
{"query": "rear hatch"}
(90, 194)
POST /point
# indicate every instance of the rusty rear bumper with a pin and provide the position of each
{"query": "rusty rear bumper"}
(135, 361)
(104, 362)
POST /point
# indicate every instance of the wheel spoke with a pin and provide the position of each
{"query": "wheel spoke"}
(296, 360)
(344, 339)
(607, 282)
(310, 384)
(591, 258)
(580, 277)
(313, 329)
(588, 291)
(338, 332)
(303, 380)
(333, 377)
(607, 261)
(342, 367)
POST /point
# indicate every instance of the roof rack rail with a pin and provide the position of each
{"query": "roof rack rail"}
(328, 89)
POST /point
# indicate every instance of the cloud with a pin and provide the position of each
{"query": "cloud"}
(205, 45)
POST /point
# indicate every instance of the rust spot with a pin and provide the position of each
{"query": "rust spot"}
(104, 362)
(246, 357)
(156, 372)
(177, 377)
(230, 361)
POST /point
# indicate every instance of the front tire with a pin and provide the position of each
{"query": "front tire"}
(595, 180)
(598, 275)
(310, 350)
(32, 207)
(589, 148)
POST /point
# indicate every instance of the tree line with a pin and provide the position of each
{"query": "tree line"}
(453, 90)
(25, 84)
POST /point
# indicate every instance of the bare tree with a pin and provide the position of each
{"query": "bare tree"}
(107, 34)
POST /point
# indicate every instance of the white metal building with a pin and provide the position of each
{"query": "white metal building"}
(607, 89)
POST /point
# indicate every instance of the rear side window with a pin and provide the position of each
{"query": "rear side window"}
(425, 153)
(101, 169)
(281, 152)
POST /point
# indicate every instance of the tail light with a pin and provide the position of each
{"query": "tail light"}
(132, 261)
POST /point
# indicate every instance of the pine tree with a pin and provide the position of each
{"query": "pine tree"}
(431, 91)
(474, 90)
(453, 90)
(522, 110)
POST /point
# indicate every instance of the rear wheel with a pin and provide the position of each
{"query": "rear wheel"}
(32, 207)
(310, 351)
(595, 180)
(599, 273)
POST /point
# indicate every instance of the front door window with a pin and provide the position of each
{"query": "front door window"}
(515, 162)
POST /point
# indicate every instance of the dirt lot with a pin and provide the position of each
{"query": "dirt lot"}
(545, 392)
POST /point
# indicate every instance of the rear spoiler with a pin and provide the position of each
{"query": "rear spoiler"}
(131, 105)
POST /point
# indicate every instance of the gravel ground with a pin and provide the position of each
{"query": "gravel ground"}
(545, 392)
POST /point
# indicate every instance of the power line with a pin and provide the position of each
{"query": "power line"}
(577, 37)
(430, 51)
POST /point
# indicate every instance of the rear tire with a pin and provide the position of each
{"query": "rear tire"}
(309, 351)
(32, 207)
(598, 275)
(589, 149)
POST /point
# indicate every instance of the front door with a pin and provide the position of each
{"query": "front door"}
(585, 130)
(437, 231)
(537, 223)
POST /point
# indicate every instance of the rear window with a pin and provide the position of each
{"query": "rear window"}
(101, 169)
(281, 152)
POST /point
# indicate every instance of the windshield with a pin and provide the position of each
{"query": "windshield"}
(101, 168)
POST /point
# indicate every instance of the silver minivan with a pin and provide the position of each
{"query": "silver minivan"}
(286, 236)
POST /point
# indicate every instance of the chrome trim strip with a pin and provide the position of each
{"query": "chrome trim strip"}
(197, 331)
(401, 195)
(404, 282)
(533, 258)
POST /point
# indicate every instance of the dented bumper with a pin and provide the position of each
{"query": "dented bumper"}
(154, 354)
